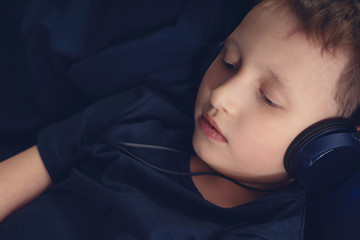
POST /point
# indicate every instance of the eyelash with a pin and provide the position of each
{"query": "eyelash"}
(268, 101)
(229, 65)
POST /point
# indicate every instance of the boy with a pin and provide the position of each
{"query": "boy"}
(269, 75)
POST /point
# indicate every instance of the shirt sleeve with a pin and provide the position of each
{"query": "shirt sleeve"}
(59, 142)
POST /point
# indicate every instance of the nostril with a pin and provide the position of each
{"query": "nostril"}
(218, 101)
(212, 111)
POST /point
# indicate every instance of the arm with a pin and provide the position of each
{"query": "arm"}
(23, 177)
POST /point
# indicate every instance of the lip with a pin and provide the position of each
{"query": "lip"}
(210, 129)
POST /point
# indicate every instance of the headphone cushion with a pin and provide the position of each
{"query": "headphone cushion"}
(323, 154)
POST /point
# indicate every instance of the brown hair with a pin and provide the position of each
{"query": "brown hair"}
(335, 24)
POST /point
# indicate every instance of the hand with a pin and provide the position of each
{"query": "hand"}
(23, 178)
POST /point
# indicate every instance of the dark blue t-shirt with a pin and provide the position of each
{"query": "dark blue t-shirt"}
(102, 192)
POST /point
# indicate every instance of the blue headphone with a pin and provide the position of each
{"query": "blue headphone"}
(324, 154)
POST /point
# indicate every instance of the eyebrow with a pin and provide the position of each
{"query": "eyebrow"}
(281, 80)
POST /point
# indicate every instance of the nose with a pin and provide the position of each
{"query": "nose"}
(232, 95)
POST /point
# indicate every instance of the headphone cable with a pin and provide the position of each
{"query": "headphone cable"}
(119, 145)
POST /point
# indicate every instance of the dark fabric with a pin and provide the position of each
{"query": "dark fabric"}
(103, 193)
(57, 57)
(334, 213)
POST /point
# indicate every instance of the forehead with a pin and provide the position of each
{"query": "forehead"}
(275, 24)
(269, 39)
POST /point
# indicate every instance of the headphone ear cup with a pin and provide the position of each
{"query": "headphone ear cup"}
(324, 154)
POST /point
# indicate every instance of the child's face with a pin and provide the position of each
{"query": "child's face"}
(267, 85)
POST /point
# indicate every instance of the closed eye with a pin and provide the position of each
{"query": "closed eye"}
(229, 65)
(268, 101)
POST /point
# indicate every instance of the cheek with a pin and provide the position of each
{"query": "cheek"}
(259, 155)
(202, 97)
(199, 105)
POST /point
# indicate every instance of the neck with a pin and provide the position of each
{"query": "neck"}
(218, 190)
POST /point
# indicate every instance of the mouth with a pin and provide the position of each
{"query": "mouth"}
(210, 129)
